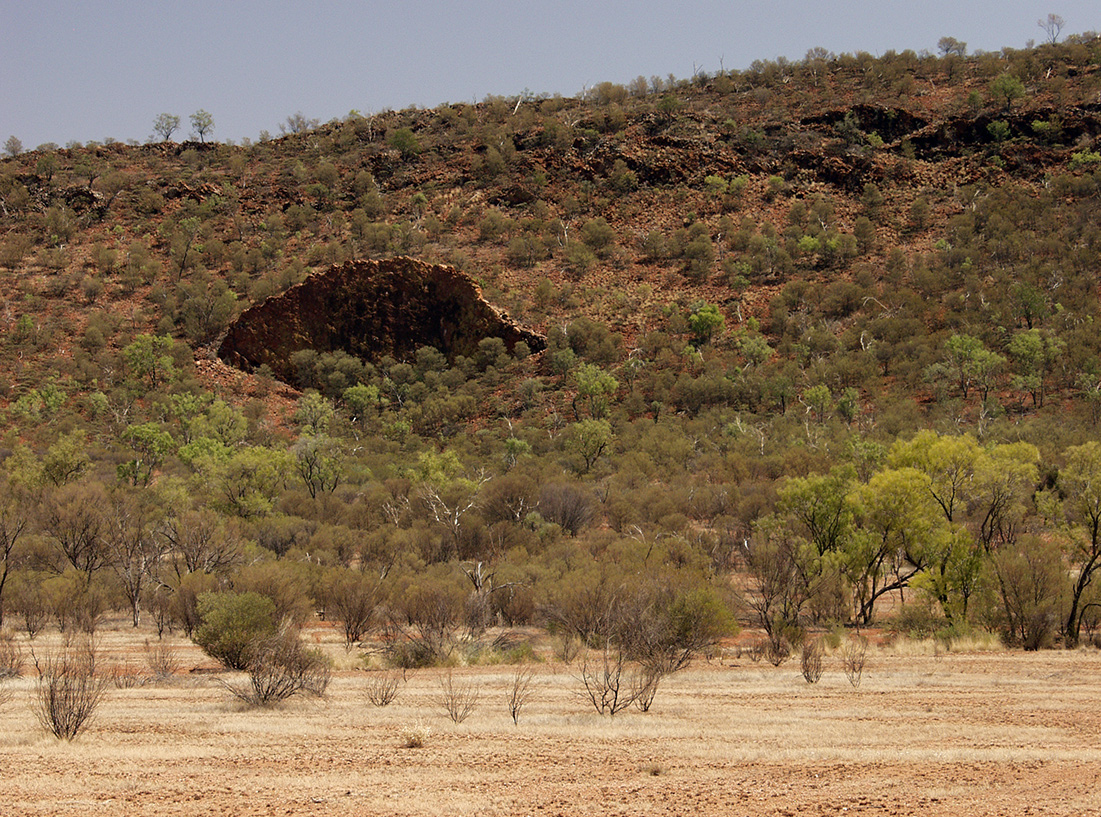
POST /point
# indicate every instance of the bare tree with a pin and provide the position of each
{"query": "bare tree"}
(1051, 26)
(72, 517)
(135, 548)
(281, 666)
(298, 123)
(201, 542)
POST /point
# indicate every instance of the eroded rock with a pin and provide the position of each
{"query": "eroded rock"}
(371, 309)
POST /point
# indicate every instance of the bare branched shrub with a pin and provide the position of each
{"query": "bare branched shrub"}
(566, 647)
(777, 650)
(162, 658)
(124, 676)
(458, 697)
(69, 688)
(644, 686)
(605, 682)
(853, 657)
(11, 655)
(353, 601)
(756, 651)
(811, 661)
(382, 688)
(280, 667)
(520, 691)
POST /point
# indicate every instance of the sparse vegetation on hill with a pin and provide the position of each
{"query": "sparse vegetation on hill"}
(820, 337)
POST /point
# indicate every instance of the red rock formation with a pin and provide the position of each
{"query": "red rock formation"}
(370, 309)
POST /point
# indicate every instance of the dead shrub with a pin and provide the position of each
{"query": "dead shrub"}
(162, 658)
(280, 667)
(604, 682)
(458, 697)
(382, 688)
(11, 655)
(415, 736)
(777, 650)
(70, 688)
(811, 661)
(853, 658)
(644, 686)
(520, 691)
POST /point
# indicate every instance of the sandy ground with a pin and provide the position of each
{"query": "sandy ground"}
(961, 734)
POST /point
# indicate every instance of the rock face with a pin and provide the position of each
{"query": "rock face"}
(371, 309)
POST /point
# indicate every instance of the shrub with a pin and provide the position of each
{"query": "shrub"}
(458, 697)
(811, 661)
(853, 658)
(232, 625)
(382, 688)
(604, 683)
(11, 656)
(519, 691)
(415, 736)
(280, 667)
(69, 689)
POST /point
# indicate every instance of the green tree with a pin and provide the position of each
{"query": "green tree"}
(596, 387)
(1080, 483)
(1007, 87)
(705, 321)
(202, 123)
(151, 445)
(166, 124)
(589, 439)
(148, 358)
(898, 527)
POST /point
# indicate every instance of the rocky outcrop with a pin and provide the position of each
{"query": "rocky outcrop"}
(371, 309)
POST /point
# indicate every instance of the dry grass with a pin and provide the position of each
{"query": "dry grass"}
(984, 733)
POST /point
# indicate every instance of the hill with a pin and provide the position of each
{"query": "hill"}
(754, 289)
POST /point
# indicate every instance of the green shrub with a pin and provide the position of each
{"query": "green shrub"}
(232, 624)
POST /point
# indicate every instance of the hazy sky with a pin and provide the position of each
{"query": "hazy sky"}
(91, 69)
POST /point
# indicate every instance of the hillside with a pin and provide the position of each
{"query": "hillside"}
(754, 289)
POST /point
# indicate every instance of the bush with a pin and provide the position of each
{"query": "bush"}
(280, 667)
(232, 624)
(69, 689)
(458, 697)
(811, 663)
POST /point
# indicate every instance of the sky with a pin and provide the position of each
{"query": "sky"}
(81, 70)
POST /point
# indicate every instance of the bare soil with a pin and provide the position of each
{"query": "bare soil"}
(949, 734)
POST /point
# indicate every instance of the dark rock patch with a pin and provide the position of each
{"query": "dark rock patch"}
(371, 309)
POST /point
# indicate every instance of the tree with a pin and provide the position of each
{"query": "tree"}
(298, 123)
(133, 544)
(898, 529)
(151, 445)
(950, 45)
(14, 520)
(202, 123)
(589, 439)
(1051, 26)
(13, 147)
(1080, 483)
(148, 357)
(705, 321)
(166, 124)
(1007, 87)
(596, 385)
